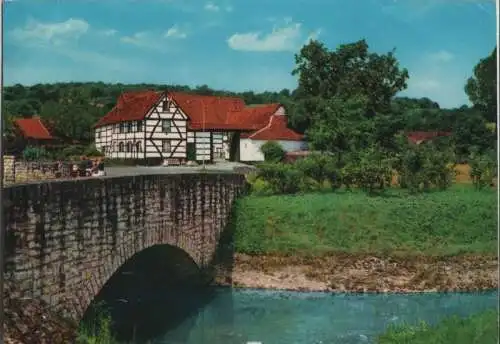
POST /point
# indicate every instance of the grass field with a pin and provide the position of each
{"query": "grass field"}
(480, 328)
(459, 220)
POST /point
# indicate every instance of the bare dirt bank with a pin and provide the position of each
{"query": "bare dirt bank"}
(363, 273)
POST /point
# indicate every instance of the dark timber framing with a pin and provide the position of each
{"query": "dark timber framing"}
(209, 144)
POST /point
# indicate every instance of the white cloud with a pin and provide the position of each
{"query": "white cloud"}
(149, 40)
(56, 33)
(175, 32)
(109, 33)
(441, 56)
(285, 38)
(210, 6)
(138, 38)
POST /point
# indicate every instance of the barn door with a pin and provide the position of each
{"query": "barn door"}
(191, 151)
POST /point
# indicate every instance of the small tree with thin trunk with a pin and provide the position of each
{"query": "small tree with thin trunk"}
(273, 151)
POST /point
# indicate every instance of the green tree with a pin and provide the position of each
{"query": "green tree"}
(483, 168)
(370, 169)
(482, 86)
(349, 71)
(338, 126)
(273, 151)
(470, 130)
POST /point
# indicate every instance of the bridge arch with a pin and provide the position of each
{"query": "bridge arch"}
(153, 291)
(65, 239)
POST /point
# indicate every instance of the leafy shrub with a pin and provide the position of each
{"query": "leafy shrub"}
(425, 166)
(258, 186)
(261, 187)
(273, 151)
(31, 153)
(369, 169)
(320, 168)
(91, 150)
(71, 151)
(282, 178)
(438, 171)
(483, 169)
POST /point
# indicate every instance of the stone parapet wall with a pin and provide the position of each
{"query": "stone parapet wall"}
(9, 175)
(19, 171)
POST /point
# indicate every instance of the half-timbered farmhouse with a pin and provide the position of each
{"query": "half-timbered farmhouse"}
(180, 127)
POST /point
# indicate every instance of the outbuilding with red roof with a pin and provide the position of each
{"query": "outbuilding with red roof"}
(32, 129)
(178, 126)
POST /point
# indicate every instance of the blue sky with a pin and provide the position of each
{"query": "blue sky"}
(240, 44)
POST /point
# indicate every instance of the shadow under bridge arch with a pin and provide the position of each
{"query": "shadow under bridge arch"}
(151, 293)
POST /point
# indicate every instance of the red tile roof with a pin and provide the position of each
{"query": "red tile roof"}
(253, 117)
(33, 128)
(209, 112)
(131, 106)
(205, 112)
(276, 129)
(418, 137)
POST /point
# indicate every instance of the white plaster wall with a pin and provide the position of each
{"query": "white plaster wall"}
(108, 137)
(150, 137)
(250, 149)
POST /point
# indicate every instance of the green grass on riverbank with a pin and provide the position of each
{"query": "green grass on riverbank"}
(480, 328)
(456, 221)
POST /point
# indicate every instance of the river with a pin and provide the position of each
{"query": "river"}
(239, 316)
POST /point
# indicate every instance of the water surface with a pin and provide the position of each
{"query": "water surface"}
(238, 316)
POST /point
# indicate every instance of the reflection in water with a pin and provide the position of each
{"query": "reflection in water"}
(280, 317)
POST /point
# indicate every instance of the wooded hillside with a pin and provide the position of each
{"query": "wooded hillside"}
(341, 94)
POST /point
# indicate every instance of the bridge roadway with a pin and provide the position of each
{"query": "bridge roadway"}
(221, 167)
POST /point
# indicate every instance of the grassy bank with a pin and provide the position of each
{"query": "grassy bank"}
(456, 221)
(480, 328)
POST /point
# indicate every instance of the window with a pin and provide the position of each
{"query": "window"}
(166, 146)
(138, 147)
(129, 147)
(98, 135)
(129, 127)
(166, 125)
(134, 126)
(165, 106)
(122, 128)
(121, 147)
(139, 125)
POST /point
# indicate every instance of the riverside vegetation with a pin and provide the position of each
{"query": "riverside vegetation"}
(371, 211)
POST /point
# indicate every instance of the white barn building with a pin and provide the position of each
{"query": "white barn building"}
(179, 127)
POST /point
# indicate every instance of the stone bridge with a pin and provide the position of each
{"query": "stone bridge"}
(65, 239)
